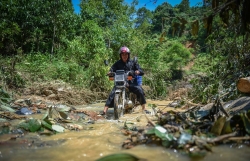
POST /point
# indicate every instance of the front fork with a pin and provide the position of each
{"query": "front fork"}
(123, 101)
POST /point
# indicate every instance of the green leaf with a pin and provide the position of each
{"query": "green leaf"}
(45, 116)
(32, 125)
(7, 108)
(3, 119)
(63, 108)
(163, 134)
(160, 132)
(166, 143)
(58, 128)
(150, 131)
(5, 100)
(4, 130)
(4, 94)
(47, 125)
(119, 157)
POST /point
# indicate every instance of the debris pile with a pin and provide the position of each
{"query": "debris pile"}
(196, 130)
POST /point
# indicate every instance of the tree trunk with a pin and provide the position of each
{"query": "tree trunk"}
(243, 85)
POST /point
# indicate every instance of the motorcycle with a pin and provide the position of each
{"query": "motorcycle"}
(123, 100)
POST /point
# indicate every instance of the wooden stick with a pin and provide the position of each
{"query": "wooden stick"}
(240, 138)
(151, 122)
(222, 137)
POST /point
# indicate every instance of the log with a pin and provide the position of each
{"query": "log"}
(243, 85)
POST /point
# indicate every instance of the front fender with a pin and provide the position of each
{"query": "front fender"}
(118, 90)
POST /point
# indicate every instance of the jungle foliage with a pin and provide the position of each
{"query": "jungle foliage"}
(45, 40)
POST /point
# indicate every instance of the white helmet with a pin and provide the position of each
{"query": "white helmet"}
(124, 49)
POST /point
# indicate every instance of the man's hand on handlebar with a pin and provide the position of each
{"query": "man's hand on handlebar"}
(137, 72)
(110, 74)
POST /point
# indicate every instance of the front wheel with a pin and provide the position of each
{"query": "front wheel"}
(118, 105)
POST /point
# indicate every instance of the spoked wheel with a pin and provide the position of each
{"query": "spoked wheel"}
(118, 106)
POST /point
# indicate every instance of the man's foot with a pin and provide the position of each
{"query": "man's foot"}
(147, 112)
(103, 114)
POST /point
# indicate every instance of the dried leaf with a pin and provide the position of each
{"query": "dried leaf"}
(195, 27)
(218, 125)
(227, 128)
(246, 122)
(162, 36)
(63, 115)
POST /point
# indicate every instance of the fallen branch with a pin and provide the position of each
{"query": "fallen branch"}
(151, 122)
(172, 127)
(222, 137)
(193, 104)
(240, 138)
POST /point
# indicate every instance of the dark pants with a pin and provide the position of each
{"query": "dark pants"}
(137, 90)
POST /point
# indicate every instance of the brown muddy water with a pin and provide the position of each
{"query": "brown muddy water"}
(102, 138)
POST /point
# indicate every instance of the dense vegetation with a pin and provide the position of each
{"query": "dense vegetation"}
(46, 40)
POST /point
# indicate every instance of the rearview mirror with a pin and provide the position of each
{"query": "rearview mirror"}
(135, 59)
(106, 62)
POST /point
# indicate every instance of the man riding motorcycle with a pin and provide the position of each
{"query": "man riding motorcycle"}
(127, 65)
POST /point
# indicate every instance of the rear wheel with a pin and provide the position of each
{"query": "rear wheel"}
(118, 106)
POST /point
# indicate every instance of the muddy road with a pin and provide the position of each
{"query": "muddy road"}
(101, 138)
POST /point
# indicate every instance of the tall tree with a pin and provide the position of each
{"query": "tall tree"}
(143, 20)
(113, 17)
(162, 17)
(34, 25)
(184, 6)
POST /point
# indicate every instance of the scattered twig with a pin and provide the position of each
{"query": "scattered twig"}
(193, 104)
(5, 116)
(151, 122)
(167, 126)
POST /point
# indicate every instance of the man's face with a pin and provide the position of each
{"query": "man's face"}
(124, 57)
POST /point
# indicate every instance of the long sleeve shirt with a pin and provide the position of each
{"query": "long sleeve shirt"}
(128, 66)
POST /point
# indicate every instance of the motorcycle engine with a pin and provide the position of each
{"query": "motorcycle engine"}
(128, 104)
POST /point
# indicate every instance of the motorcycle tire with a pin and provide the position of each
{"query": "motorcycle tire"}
(118, 103)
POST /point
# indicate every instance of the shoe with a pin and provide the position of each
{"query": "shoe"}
(103, 114)
(147, 112)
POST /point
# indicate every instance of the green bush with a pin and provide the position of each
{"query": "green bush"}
(176, 56)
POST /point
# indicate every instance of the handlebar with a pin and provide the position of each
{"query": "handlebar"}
(129, 73)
